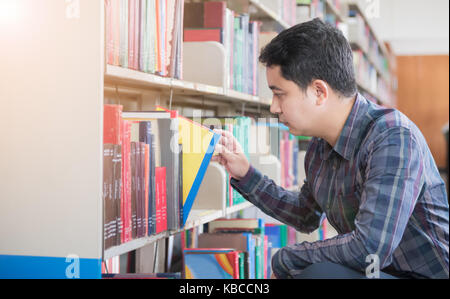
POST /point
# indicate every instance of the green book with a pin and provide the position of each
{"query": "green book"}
(242, 260)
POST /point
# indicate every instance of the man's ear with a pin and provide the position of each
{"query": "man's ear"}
(321, 91)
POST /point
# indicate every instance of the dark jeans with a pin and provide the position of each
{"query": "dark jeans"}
(334, 271)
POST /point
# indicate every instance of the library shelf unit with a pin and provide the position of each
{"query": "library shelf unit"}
(119, 76)
(381, 64)
(331, 8)
(51, 205)
(264, 12)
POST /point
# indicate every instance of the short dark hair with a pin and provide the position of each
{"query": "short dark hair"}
(313, 50)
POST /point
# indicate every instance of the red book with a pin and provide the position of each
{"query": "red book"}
(126, 180)
(161, 202)
(112, 120)
(203, 35)
(214, 14)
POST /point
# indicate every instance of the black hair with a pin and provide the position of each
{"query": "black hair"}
(310, 51)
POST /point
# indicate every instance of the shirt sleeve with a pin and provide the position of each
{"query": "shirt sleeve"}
(296, 209)
(394, 176)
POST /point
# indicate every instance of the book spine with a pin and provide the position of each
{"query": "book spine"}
(158, 199)
(142, 183)
(147, 185)
(131, 29)
(133, 191)
(164, 198)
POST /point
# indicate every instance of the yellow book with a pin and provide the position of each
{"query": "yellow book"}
(198, 143)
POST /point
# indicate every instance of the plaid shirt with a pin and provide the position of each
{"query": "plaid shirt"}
(379, 187)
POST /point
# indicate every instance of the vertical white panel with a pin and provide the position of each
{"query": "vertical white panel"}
(51, 96)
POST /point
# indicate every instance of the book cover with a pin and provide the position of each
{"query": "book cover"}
(133, 190)
(160, 175)
(124, 14)
(203, 35)
(211, 264)
(193, 15)
(117, 184)
(198, 144)
(112, 117)
(108, 172)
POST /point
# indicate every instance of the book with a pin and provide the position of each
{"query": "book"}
(203, 35)
(112, 115)
(108, 177)
(198, 143)
(117, 194)
(233, 224)
(211, 264)
(161, 200)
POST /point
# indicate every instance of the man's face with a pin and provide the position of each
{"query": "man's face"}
(295, 108)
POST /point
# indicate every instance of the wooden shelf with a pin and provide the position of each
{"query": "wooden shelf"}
(196, 218)
(117, 75)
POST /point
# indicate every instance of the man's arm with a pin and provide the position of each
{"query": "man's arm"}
(394, 175)
(299, 210)
(295, 209)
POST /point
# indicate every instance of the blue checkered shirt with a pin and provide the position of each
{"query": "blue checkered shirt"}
(379, 187)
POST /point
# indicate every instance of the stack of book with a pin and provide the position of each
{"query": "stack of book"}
(212, 21)
(145, 35)
(366, 74)
(232, 248)
(136, 180)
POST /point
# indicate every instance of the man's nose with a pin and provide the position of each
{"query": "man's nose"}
(275, 108)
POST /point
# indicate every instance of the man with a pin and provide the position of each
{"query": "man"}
(369, 169)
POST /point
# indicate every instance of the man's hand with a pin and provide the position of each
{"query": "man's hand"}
(231, 156)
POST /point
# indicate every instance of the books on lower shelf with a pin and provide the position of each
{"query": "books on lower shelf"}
(247, 240)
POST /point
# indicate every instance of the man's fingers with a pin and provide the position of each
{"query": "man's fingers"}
(223, 151)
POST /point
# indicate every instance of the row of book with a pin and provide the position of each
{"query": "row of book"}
(145, 35)
(233, 248)
(240, 248)
(137, 177)
(368, 77)
(311, 9)
(284, 9)
(359, 31)
(212, 21)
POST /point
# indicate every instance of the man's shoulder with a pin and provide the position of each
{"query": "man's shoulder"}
(384, 119)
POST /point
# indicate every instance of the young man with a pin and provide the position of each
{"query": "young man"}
(369, 169)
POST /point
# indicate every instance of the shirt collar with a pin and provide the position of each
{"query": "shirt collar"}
(349, 139)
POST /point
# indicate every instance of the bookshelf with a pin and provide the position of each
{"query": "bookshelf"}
(374, 51)
(263, 12)
(53, 126)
